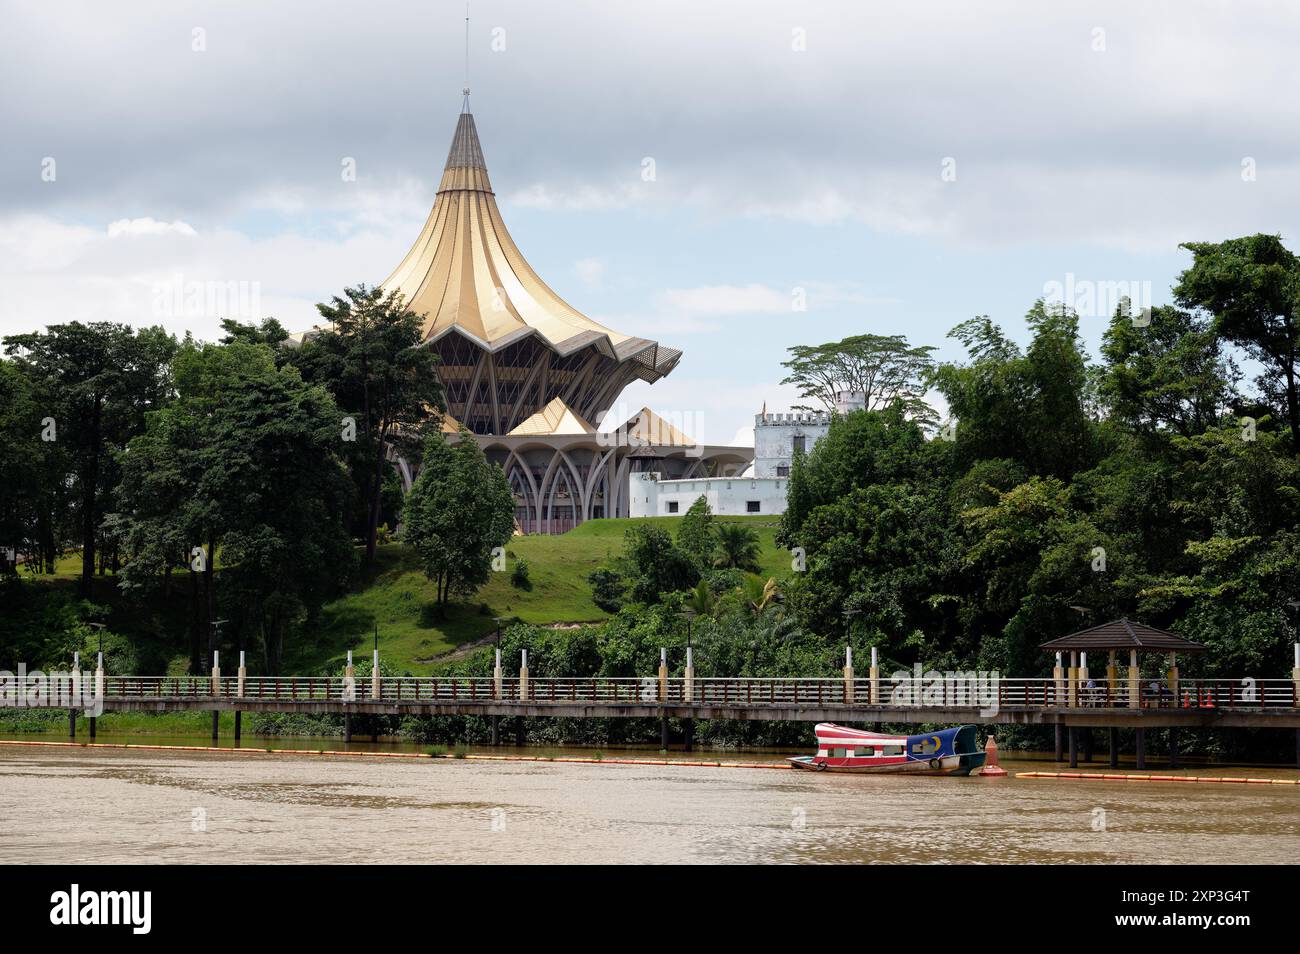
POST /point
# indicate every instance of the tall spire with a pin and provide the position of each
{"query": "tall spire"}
(465, 106)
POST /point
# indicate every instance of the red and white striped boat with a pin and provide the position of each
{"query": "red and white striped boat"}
(946, 752)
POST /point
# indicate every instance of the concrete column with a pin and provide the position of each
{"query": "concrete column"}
(688, 683)
(1072, 687)
(496, 681)
(349, 693)
(1134, 681)
(1074, 747)
(347, 727)
(1295, 679)
(216, 674)
(1114, 748)
(1083, 668)
(663, 679)
(1173, 677)
(374, 676)
(848, 675)
(76, 676)
(1140, 746)
(874, 674)
(1058, 679)
(1112, 677)
(1059, 749)
(1085, 738)
(1173, 747)
(72, 723)
(237, 724)
(523, 676)
(99, 677)
(242, 674)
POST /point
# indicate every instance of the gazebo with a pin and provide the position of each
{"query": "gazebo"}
(1117, 635)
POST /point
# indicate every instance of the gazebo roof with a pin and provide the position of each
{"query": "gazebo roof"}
(1124, 634)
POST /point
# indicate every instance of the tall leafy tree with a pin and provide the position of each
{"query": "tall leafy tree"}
(1165, 372)
(1251, 286)
(101, 379)
(243, 465)
(371, 360)
(884, 368)
(459, 510)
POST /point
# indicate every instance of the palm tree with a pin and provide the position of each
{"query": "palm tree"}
(759, 594)
(701, 601)
(738, 547)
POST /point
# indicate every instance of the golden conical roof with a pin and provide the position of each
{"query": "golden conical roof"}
(465, 274)
(556, 418)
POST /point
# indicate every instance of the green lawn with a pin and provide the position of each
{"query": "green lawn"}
(400, 600)
(397, 597)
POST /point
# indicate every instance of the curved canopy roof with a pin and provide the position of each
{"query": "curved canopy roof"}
(1124, 634)
(466, 275)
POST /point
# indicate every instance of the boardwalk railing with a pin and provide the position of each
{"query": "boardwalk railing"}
(999, 694)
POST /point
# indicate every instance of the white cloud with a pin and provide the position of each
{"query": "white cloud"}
(591, 271)
(147, 226)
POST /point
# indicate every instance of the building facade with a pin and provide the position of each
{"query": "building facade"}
(525, 371)
(651, 495)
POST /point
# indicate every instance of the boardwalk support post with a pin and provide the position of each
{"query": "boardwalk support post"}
(1173, 747)
(1114, 747)
(874, 674)
(349, 688)
(848, 675)
(1072, 688)
(347, 727)
(1295, 678)
(523, 675)
(1058, 680)
(1059, 749)
(688, 682)
(1074, 747)
(99, 690)
(241, 676)
(496, 678)
(216, 691)
(1134, 680)
(374, 676)
(663, 676)
(1140, 746)
(72, 723)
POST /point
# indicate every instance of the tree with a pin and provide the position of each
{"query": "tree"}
(695, 534)
(1168, 374)
(371, 361)
(1251, 286)
(100, 379)
(738, 547)
(458, 512)
(884, 368)
(608, 589)
(656, 565)
(243, 466)
(1031, 406)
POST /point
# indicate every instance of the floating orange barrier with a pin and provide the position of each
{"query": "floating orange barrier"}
(1224, 779)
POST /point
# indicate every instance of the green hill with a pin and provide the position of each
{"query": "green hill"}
(396, 597)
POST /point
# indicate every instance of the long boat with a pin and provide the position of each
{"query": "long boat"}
(953, 751)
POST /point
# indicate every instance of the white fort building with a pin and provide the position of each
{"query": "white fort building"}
(760, 489)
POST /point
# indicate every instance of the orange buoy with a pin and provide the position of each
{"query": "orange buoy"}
(991, 767)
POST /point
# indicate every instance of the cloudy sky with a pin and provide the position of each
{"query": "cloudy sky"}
(897, 166)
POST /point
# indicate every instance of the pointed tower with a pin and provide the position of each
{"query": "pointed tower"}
(508, 344)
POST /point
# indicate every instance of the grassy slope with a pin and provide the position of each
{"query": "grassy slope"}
(398, 598)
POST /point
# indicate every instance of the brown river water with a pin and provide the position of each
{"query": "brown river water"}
(82, 805)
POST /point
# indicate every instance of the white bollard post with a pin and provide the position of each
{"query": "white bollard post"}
(242, 673)
(874, 673)
(349, 681)
(496, 677)
(1058, 678)
(523, 675)
(374, 677)
(688, 687)
(76, 676)
(1295, 678)
(216, 674)
(848, 675)
(99, 678)
(663, 675)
